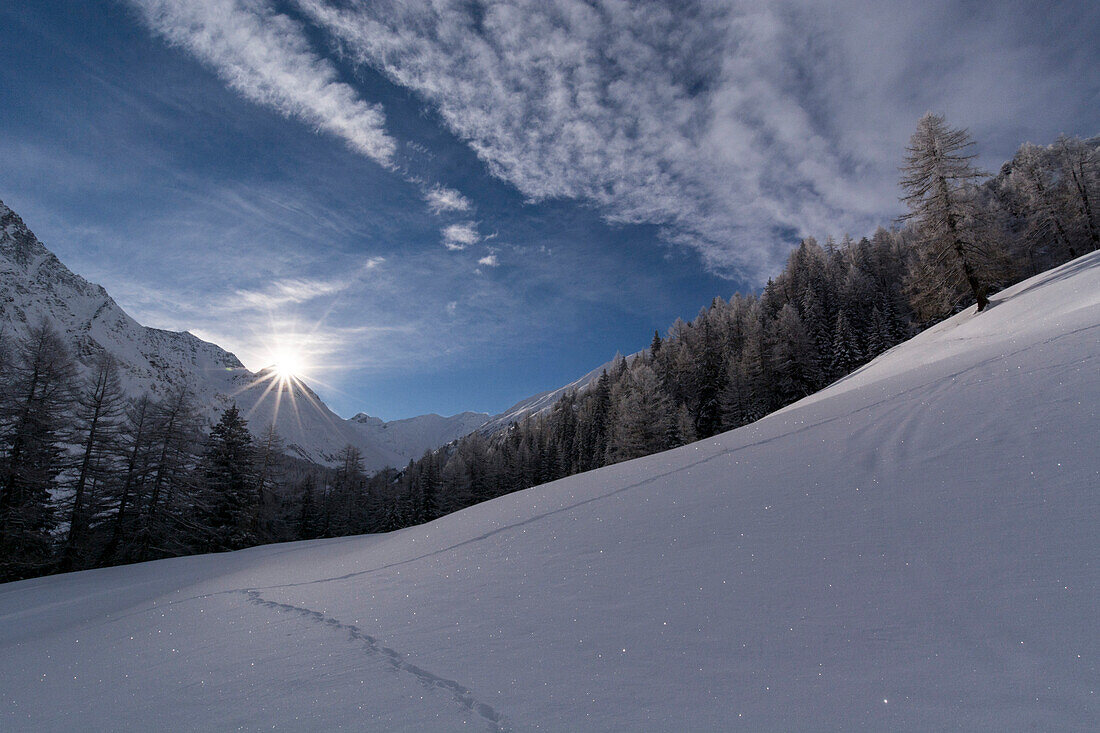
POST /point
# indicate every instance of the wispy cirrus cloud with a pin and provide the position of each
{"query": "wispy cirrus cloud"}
(265, 56)
(657, 113)
(734, 125)
(296, 291)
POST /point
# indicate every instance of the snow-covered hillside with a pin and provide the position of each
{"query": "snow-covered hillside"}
(914, 548)
(543, 401)
(415, 435)
(36, 286)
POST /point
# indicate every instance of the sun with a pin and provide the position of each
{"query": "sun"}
(288, 364)
(291, 358)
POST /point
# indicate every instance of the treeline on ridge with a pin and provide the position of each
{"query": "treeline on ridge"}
(834, 307)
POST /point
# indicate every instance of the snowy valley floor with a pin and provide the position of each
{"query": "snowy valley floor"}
(914, 548)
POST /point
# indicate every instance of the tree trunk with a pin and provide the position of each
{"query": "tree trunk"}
(1080, 183)
(76, 519)
(976, 287)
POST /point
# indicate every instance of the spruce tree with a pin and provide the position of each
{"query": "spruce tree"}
(309, 522)
(229, 478)
(792, 356)
(683, 427)
(710, 380)
(431, 487)
(655, 345)
(457, 484)
(845, 355)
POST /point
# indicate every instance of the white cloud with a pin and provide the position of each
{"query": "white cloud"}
(489, 261)
(382, 322)
(731, 124)
(441, 199)
(295, 291)
(281, 293)
(611, 103)
(460, 236)
(266, 57)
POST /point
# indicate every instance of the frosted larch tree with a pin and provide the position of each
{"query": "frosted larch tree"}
(935, 177)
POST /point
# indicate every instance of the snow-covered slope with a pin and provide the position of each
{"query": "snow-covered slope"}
(545, 400)
(413, 436)
(913, 549)
(36, 286)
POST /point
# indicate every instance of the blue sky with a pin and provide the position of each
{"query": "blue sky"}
(452, 205)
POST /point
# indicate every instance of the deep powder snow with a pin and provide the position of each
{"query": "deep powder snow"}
(914, 548)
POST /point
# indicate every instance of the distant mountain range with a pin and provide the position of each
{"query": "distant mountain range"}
(35, 287)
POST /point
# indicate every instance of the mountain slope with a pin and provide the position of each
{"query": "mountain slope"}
(543, 401)
(413, 436)
(913, 548)
(36, 286)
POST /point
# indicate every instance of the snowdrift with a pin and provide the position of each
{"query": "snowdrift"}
(913, 548)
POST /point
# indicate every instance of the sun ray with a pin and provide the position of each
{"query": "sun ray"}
(278, 398)
(260, 378)
(291, 366)
(294, 404)
(271, 384)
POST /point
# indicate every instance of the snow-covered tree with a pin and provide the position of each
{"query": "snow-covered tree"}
(269, 461)
(937, 177)
(793, 356)
(641, 417)
(1033, 180)
(33, 415)
(845, 354)
(1080, 169)
(98, 415)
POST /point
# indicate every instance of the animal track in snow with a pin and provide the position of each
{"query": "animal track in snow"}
(462, 695)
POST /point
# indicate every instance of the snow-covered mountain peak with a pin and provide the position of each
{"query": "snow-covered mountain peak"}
(35, 286)
(364, 419)
(421, 433)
